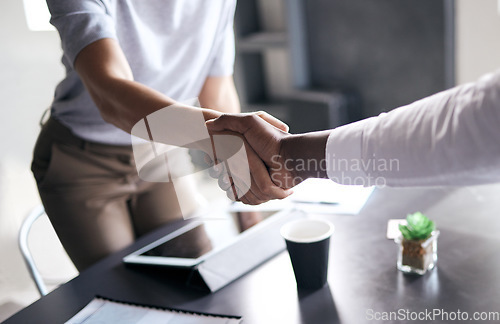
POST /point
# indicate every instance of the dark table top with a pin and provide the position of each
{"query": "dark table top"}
(364, 283)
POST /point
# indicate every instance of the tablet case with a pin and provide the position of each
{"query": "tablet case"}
(244, 255)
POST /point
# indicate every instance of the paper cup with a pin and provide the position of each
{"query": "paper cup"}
(308, 244)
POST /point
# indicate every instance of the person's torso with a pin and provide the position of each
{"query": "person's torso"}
(169, 45)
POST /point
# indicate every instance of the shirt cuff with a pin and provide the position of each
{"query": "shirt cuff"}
(344, 154)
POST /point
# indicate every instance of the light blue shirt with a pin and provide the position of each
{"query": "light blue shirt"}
(172, 46)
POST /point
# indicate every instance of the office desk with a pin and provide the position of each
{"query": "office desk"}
(363, 278)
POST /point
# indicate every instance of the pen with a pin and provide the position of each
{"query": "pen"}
(316, 202)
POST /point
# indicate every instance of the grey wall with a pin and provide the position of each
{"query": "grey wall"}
(478, 38)
(29, 70)
(391, 51)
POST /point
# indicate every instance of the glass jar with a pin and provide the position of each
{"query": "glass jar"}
(417, 256)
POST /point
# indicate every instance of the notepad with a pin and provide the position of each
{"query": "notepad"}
(103, 310)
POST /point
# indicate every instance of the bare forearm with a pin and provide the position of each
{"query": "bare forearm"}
(219, 93)
(125, 102)
(304, 154)
(106, 74)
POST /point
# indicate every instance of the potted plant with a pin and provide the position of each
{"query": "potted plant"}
(417, 244)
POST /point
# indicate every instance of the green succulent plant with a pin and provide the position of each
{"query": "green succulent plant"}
(419, 227)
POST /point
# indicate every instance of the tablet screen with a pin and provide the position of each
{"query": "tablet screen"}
(206, 236)
(191, 245)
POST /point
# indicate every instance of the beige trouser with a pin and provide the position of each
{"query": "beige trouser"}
(93, 196)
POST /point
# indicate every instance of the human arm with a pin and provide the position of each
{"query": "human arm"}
(450, 138)
(105, 72)
(124, 102)
(219, 93)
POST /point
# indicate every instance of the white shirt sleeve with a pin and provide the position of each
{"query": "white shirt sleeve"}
(223, 63)
(80, 23)
(450, 138)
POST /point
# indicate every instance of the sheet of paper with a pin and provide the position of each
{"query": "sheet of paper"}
(104, 311)
(320, 196)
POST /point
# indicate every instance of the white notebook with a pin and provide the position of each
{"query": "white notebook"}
(101, 310)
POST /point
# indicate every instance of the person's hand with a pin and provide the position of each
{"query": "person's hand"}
(240, 171)
(264, 135)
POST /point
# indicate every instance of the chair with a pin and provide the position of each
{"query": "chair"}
(35, 214)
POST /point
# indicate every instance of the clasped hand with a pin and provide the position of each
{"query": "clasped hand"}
(263, 137)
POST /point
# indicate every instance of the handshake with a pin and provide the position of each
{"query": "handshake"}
(275, 159)
(252, 155)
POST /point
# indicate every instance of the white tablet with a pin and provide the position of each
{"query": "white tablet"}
(195, 242)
